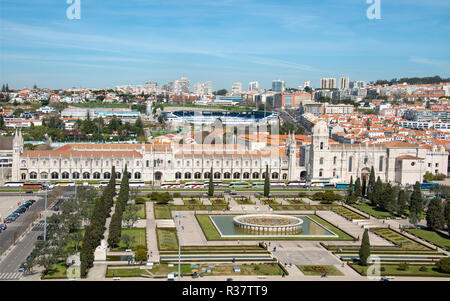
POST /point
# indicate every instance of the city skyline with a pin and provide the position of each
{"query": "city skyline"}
(222, 42)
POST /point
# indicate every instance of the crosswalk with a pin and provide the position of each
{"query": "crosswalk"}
(11, 276)
(39, 227)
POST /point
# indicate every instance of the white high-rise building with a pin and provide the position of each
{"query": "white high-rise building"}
(151, 86)
(307, 83)
(204, 88)
(328, 83)
(182, 85)
(253, 86)
(344, 83)
(278, 85)
(236, 88)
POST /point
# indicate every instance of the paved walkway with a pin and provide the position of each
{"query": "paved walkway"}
(152, 242)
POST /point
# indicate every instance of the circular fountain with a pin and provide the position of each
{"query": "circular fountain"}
(268, 222)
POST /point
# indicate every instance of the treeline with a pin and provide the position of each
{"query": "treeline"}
(94, 232)
(115, 227)
(414, 80)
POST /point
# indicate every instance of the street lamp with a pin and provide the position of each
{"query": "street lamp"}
(45, 215)
(179, 244)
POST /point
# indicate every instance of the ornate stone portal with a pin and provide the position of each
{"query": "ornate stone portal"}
(268, 222)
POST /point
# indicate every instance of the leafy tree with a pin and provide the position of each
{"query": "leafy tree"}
(211, 184)
(415, 205)
(141, 255)
(267, 183)
(435, 214)
(364, 250)
(128, 240)
(130, 215)
(443, 265)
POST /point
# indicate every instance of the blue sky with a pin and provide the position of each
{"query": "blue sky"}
(134, 41)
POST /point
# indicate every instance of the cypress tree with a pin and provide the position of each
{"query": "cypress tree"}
(358, 188)
(447, 215)
(371, 185)
(350, 190)
(435, 214)
(401, 202)
(364, 187)
(415, 205)
(364, 250)
(377, 191)
(267, 183)
(211, 184)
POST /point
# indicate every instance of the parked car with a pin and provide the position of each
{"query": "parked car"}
(29, 192)
(3, 227)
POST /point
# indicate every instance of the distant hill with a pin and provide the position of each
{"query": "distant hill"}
(414, 80)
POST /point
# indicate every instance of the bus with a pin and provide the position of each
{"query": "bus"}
(296, 184)
(65, 184)
(14, 184)
(215, 183)
(427, 186)
(137, 184)
(277, 184)
(239, 185)
(103, 184)
(32, 186)
(170, 185)
(320, 183)
(258, 185)
(342, 185)
(193, 185)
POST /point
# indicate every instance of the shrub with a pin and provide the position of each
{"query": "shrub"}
(443, 265)
(423, 269)
(177, 195)
(140, 200)
(403, 266)
(382, 269)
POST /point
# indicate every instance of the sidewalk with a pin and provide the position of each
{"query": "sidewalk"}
(152, 243)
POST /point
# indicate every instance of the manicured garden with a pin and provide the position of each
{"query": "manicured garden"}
(167, 239)
(436, 238)
(141, 211)
(218, 202)
(58, 271)
(162, 212)
(192, 202)
(347, 213)
(399, 239)
(269, 202)
(319, 270)
(296, 202)
(243, 201)
(403, 270)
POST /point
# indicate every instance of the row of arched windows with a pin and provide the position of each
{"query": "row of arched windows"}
(76, 175)
(227, 175)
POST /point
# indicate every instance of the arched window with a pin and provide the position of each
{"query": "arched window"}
(187, 175)
(246, 175)
(65, 175)
(178, 175)
(96, 175)
(129, 175)
(274, 175)
(33, 175)
(334, 160)
(217, 175)
(321, 145)
(137, 175)
(264, 175)
(197, 175)
(350, 164)
(285, 176)
(255, 175)
(86, 175)
(321, 173)
(55, 175)
(334, 173)
(227, 175)
(321, 161)
(118, 175)
(380, 167)
(75, 175)
(236, 175)
(207, 175)
(107, 175)
(24, 176)
(366, 160)
(44, 175)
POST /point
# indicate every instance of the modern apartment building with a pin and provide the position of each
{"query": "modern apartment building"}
(344, 83)
(328, 83)
(236, 88)
(278, 85)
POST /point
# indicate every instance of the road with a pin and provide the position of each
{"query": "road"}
(9, 265)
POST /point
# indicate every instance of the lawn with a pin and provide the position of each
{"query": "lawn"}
(186, 269)
(162, 212)
(59, 271)
(411, 271)
(138, 235)
(296, 202)
(243, 201)
(211, 233)
(167, 239)
(318, 270)
(192, 202)
(374, 211)
(399, 239)
(436, 238)
(141, 212)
